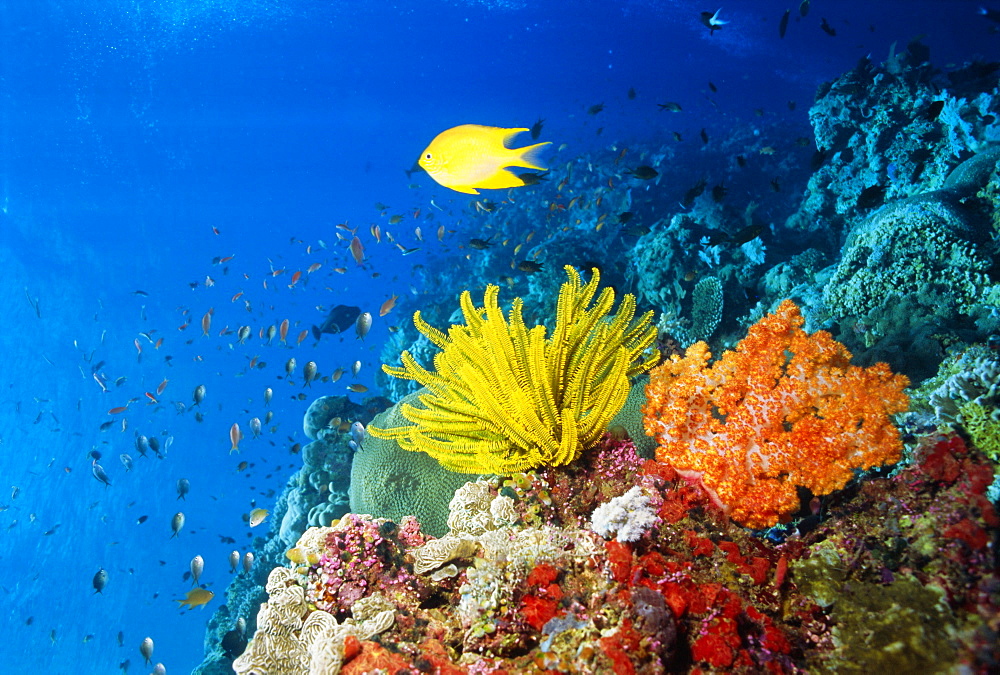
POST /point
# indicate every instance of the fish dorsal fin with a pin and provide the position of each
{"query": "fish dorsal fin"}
(506, 135)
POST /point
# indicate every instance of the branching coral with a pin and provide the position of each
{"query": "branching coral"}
(970, 398)
(506, 398)
(783, 409)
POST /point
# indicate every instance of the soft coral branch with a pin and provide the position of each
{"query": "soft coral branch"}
(783, 409)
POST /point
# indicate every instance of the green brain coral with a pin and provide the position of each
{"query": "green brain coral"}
(388, 482)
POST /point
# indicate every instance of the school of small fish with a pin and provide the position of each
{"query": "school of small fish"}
(457, 225)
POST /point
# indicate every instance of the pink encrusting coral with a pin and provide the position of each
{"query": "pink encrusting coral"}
(362, 555)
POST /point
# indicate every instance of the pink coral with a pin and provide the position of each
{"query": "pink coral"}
(363, 555)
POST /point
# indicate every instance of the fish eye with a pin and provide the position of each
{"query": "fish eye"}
(427, 156)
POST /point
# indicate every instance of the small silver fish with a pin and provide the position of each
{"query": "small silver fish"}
(126, 461)
(290, 366)
(234, 561)
(257, 517)
(99, 473)
(268, 393)
(146, 649)
(247, 561)
(355, 368)
(358, 433)
(243, 334)
(199, 394)
(177, 524)
(197, 567)
(255, 427)
(309, 372)
(183, 487)
(363, 324)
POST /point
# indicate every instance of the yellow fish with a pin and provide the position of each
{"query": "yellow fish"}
(195, 597)
(471, 156)
(257, 517)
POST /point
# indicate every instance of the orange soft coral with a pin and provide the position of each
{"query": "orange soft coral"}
(784, 409)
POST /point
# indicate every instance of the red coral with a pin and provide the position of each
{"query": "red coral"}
(619, 560)
(372, 657)
(717, 647)
(618, 646)
(969, 532)
(538, 611)
(784, 409)
(542, 575)
(941, 463)
(699, 545)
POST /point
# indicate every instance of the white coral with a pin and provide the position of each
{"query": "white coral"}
(438, 552)
(284, 644)
(470, 509)
(627, 516)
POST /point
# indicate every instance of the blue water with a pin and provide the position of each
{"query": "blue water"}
(131, 129)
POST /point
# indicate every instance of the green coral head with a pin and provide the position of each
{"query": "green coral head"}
(504, 398)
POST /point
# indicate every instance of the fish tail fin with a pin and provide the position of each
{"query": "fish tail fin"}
(529, 157)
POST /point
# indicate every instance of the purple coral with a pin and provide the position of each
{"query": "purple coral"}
(362, 555)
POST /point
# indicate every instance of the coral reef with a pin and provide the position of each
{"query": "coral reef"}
(629, 419)
(706, 308)
(883, 227)
(292, 637)
(505, 398)
(783, 410)
(969, 397)
(897, 572)
(912, 273)
(317, 494)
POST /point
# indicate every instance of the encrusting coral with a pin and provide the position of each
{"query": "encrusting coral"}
(292, 637)
(506, 398)
(782, 410)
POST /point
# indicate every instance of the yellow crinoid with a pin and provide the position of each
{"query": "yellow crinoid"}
(504, 398)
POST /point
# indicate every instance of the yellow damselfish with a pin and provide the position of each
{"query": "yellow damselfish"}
(471, 156)
(257, 517)
(196, 597)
